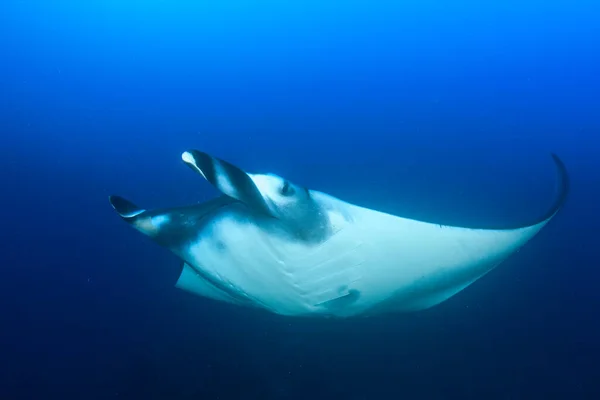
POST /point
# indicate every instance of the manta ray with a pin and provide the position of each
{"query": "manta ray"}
(275, 245)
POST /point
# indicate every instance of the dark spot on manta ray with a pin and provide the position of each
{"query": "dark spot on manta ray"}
(287, 189)
(220, 245)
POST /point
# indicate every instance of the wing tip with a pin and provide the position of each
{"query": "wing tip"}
(563, 185)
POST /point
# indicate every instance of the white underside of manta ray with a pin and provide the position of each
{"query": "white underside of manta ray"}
(271, 244)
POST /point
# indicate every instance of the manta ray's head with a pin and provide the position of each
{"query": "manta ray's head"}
(284, 198)
(266, 194)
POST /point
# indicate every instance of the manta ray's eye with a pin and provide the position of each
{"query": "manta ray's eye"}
(286, 189)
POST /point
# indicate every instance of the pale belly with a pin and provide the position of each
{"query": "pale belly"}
(377, 263)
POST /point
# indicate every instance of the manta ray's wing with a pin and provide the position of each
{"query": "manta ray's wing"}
(413, 265)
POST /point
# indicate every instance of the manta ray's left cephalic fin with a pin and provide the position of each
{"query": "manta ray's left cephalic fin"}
(227, 178)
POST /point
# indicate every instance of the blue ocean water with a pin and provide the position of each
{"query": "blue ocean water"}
(436, 110)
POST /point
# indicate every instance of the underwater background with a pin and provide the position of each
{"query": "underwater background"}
(439, 110)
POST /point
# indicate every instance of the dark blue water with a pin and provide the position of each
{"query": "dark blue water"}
(445, 111)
